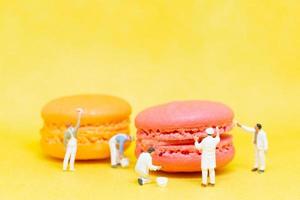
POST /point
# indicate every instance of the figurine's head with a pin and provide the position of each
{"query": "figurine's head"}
(69, 126)
(258, 127)
(209, 131)
(151, 150)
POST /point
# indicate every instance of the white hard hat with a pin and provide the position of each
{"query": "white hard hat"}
(209, 131)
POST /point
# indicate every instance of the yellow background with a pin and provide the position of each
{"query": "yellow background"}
(244, 53)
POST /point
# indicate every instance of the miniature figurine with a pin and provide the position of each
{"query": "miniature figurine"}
(70, 142)
(143, 165)
(116, 146)
(208, 159)
(260, 146)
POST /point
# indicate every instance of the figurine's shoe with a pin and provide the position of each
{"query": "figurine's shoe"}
(115, 166)
(140, 181)
(254, 169)
(203, 185)
(212, 184)
(261, 171)
(72, 169)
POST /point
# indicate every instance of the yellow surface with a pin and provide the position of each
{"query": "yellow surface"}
(243, 53)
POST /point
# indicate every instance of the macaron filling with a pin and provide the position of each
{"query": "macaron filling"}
(181, 147)
(178, 134)
(87, 133)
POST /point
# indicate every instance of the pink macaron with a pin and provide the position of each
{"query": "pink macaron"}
(170, 128)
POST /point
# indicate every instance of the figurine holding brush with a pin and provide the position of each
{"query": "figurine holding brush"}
(70, 142)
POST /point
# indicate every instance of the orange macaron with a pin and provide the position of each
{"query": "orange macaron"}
(103, 117)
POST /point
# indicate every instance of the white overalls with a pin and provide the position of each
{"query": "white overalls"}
(71, 150)
(208, 157)
(143, 165)
(260, 147)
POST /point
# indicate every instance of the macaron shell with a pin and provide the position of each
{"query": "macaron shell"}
(184, 114)
(97, 109)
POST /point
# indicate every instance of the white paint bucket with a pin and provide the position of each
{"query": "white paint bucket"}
(162, 181)
(124, 162)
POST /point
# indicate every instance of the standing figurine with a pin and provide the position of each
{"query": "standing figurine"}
(208, 158)
(143, 165)
(116, 146)
(260, 145)
(70, 142)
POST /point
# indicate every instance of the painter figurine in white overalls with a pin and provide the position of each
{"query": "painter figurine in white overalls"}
(260, 142)
(144, 165)
(116, 147)
(70, 142)
(208, 157)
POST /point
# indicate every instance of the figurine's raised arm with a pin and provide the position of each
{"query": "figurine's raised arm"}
(197, 144)
(245, 128)
(79, 111)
